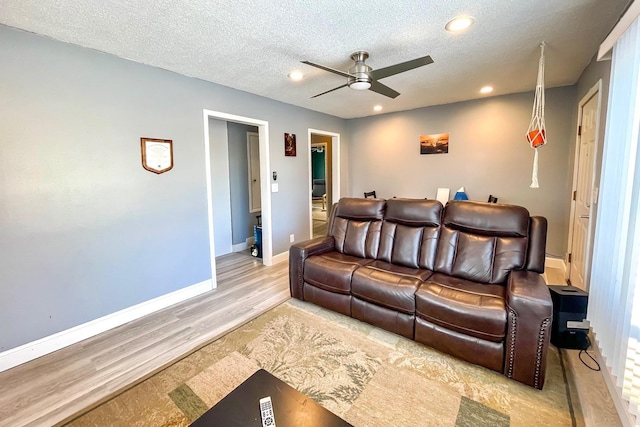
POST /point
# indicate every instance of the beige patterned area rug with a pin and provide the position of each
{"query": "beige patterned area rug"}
(365, 375)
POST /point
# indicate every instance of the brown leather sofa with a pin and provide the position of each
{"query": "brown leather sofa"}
(463, 279)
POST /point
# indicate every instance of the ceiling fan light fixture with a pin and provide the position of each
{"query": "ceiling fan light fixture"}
(360, 85)
(296, 76)
(459, 23)
(362, 77)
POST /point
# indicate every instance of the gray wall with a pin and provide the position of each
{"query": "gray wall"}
(220, 186)
(242, 221)
(488, 154)
(84, 230)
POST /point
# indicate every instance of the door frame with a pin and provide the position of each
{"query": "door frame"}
(265, 167)
(249, 134)
(596, 90)
(335, 170)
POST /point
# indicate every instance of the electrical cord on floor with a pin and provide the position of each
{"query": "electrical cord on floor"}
(584, 350)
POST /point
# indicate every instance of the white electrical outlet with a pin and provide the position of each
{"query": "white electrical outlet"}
(291, 238)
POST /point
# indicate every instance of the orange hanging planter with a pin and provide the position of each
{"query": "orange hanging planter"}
(536, 138)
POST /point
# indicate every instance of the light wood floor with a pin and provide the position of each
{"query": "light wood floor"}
(319, 222)
(588, 387)
(55, 388)
(60, 386)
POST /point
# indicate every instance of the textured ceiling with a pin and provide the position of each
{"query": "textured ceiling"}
(252, 45)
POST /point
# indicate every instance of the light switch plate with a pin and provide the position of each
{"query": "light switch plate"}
(274, 188)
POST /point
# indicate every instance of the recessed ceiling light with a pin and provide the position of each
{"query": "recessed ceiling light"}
(486, 89)
(296, 76)
(377, 108)
(459, 23)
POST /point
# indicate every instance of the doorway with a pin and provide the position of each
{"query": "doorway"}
(320, 184)
(263, 137)
(324, 178)
(584, 196)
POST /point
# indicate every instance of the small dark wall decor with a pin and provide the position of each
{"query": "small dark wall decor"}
(437, 143)
(289, 144)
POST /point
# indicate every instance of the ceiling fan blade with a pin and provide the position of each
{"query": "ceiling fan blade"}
(329, 69)
(378, 87)
(330, 90)
(381, 73)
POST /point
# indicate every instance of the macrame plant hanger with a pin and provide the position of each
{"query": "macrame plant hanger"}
(536, 134)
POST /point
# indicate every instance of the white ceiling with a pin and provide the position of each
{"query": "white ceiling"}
(252, 45)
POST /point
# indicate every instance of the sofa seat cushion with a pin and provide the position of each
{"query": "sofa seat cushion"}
(386, 288)
(332, 271)
(417, 273)
(463, 306)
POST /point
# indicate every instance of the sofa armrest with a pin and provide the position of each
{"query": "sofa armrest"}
(298, 253)
(529, 314)
(537, 244)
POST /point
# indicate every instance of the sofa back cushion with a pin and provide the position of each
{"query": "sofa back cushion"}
(356, 225)
(410, 231)
(482, 242)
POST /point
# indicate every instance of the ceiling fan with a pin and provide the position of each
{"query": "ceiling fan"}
(362, 77)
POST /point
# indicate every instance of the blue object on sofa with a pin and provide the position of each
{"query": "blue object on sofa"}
(461, 195)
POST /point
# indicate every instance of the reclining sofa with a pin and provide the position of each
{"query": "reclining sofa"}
(463, 279)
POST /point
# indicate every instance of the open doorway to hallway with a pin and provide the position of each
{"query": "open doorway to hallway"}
(244, 177)
(320, 182)
(324, 178)
(235, 184)
(219, 169)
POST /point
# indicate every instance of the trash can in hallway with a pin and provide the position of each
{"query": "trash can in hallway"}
(257, 236)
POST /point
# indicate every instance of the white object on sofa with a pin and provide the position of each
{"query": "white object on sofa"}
(443, 195)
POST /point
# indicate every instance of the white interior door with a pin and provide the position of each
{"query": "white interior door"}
(584, 197)
(253, 152)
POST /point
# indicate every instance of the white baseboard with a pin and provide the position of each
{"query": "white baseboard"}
(282, 257)
(239, 247)
(24, 353)
(242, 246)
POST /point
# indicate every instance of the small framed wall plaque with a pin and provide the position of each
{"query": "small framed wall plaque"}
(290, 144)
(157, 154)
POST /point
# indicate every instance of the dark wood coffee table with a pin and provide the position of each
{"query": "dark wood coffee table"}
(240, 408)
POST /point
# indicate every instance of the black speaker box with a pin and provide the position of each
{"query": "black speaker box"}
(569, 305)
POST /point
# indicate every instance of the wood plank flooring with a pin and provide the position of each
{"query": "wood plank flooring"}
(55, 388)
(319, 222)
(588, 387)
